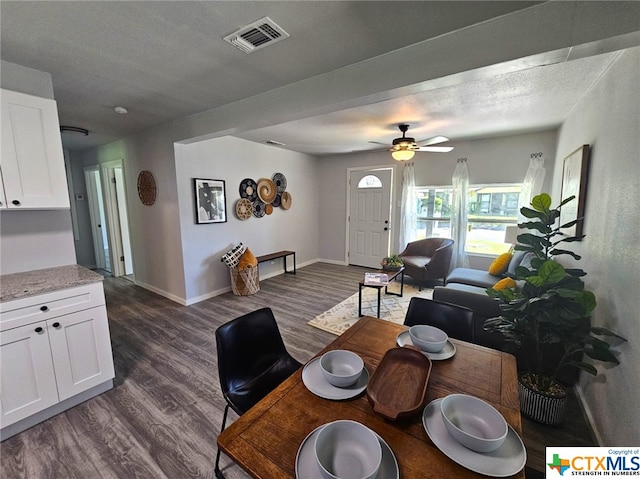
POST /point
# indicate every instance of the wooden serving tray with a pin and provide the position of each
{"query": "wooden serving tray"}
(398, 387)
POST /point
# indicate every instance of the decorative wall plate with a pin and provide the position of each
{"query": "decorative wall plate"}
(277, 201)
(286, 200)
(146, 188)
(258, 209)
(248, 189)
(244, 209)
(280, 181)
(266, 190)
(268, 209)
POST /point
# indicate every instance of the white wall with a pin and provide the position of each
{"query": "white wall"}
(608, 119)
(493, 160)
(28, 238)
(154, 230)
(232, 160)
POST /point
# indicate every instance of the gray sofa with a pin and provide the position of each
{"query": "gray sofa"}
(467, 287)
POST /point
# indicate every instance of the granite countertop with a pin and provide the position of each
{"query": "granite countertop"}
(30, 283)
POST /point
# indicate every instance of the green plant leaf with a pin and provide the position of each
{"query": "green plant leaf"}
(575, 272)
(587, 300)
(541, 202)
(529, 213)
(601, 354)
(569, 224)
(584, 366)
(551, 272)
(534, 225)
(605, 332)
(566, 200)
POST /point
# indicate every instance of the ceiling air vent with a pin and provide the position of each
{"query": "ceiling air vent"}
(257, 35)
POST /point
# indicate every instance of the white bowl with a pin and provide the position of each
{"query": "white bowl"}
(347, 450)
(428, 338)
(341, 368)
(473, 423)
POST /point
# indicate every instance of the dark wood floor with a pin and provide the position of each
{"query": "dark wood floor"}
(162, 418)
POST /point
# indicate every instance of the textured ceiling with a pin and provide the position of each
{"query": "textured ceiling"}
(166, 60)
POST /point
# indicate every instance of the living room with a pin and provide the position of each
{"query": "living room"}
(167, 240)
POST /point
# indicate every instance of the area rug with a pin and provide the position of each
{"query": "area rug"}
(392, 308)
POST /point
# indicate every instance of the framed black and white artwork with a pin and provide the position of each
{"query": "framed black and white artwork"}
(211, 202)
(574, 183)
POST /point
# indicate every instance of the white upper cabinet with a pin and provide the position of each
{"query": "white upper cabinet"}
(32, 164)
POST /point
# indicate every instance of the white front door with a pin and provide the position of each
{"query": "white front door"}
(369, 216)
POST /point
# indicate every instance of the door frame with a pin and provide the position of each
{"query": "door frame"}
(392, 201)
(114, 229)
(93, 197)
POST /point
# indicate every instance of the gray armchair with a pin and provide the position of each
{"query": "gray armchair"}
(427, 259)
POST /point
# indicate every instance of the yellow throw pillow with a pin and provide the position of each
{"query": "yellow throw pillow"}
(500, 264)
(247, 259)
(505, 283)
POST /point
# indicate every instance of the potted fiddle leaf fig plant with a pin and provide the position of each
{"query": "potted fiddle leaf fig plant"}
(547, 315)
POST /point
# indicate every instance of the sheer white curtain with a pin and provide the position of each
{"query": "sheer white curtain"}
(532, 185)
(459, 215)
(409, 215)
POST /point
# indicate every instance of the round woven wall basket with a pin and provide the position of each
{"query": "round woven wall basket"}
(146, 188)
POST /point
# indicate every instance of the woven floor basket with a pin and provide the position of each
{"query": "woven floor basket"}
(245, 282)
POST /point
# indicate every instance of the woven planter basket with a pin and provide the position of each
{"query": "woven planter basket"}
(245, 282)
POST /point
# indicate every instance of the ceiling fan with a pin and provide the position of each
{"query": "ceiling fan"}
(403, 148)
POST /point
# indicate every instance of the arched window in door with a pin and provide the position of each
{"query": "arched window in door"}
(370, 181)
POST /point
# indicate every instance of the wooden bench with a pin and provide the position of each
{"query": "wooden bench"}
(280, 254)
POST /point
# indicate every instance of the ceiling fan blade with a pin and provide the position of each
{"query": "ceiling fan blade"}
(379, 143)
(434, 140)
(436, 149)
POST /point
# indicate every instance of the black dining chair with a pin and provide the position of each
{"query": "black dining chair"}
(252, 361)
(456, 321)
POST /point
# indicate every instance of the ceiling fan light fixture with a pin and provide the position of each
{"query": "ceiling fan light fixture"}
(403, 155)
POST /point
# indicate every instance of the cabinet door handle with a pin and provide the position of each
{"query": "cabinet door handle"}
(38, 329)
(44, 309)
(16, 202)
(56, 325)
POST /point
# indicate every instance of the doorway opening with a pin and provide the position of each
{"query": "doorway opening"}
(106, 194)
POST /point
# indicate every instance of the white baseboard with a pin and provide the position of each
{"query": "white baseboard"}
(211, 294)
(162, 292)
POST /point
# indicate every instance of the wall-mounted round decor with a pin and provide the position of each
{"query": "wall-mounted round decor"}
(244, 209)
(266, 190)
(286, 200)
(146, 188)
(248, 189)
(280, 181)
(258, 209)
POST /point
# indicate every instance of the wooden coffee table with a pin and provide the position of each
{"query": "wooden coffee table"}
(392, 275)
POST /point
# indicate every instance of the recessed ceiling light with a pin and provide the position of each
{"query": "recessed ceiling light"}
(74, 130)
(120, 110)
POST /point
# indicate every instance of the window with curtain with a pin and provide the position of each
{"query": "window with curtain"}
(490, 208)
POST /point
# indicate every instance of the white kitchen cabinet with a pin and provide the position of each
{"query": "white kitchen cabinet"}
(55, 353)
(32, 164)
(81, 351)
(28, 379)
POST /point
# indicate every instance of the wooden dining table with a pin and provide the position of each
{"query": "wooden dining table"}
(265, 440)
